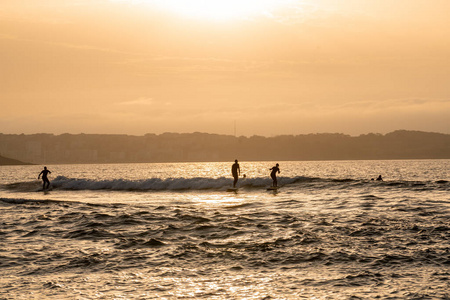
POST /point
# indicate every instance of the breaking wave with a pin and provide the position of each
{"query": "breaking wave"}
(221, 183)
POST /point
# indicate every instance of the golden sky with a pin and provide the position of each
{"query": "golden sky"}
(270, 66)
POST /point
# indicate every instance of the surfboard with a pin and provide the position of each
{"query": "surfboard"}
(273, 188)
(232, 190)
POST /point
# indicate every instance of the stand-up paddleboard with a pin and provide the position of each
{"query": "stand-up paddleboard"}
(45, 190)
(273, 188)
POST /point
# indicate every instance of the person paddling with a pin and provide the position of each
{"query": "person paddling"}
(45, 180)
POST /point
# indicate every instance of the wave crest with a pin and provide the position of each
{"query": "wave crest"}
(221, 183)
(158, 184)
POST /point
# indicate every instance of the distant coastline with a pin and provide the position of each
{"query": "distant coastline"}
(204, 147)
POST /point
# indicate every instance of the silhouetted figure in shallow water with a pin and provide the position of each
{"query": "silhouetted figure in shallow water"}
(236, 171)
(379, 178)
(45, 180)
(273, 174)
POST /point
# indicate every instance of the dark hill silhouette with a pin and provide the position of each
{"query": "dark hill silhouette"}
(4, 161)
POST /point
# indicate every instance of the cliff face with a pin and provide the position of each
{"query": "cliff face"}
(4, 161)
(174, 147)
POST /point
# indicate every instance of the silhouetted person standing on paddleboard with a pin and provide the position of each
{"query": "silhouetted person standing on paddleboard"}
(236, 171)
(44, 174)
(273, 174)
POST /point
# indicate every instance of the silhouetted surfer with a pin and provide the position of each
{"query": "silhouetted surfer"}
(273, 174)
(236, 171)
(45, 180)
(379, 178)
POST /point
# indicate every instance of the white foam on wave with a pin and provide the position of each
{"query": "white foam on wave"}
(197, 183)
(201, 183)
(156, 184)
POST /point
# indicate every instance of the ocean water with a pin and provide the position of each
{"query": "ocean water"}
(173, 231)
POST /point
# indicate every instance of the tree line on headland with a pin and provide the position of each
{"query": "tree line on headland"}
(204, 147)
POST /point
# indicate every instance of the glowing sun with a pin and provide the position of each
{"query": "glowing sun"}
(220, 9)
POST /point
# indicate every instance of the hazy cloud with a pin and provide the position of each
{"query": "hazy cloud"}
(317, 65)
(138, 102)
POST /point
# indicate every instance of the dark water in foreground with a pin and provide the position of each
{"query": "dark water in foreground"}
(316, 238)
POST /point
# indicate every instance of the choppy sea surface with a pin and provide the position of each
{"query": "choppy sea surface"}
(173, 231)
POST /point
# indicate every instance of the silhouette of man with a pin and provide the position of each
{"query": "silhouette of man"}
(45, 180)
(236, 171)
(273, 174)
(379, 178)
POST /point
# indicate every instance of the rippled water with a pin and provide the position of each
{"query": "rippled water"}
(172, 231)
